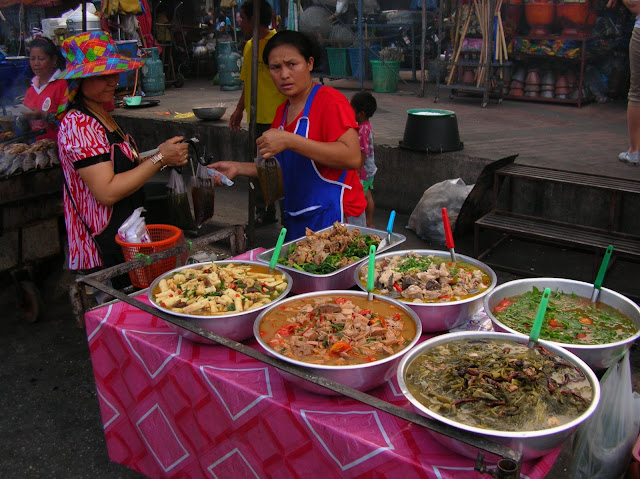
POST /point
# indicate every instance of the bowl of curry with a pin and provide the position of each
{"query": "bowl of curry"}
(444, 294)
(598, 333)
(339, 335)
(494, 385)
(223, 297)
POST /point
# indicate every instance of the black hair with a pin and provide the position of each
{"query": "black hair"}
(301, 42)
(266, 12)
(365, 102)
(50, 49)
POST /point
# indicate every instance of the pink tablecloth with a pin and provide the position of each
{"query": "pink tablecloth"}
(172, 408)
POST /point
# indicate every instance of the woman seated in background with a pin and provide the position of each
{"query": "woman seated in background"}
(46, 97)
(314, 137)
(102, 167)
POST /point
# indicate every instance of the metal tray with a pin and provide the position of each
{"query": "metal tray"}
(343, 278)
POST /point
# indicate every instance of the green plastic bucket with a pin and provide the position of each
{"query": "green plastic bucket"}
(385, 76)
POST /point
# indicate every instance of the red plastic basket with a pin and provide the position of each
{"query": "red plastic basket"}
(162, 237)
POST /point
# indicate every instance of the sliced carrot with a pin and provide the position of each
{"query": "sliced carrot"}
(586, 320)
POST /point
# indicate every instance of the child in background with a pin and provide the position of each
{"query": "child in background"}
(364, 105)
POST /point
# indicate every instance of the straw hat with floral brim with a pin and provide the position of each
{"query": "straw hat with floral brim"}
(94, 53)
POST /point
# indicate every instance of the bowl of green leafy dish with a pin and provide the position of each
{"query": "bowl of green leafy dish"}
(326, 259)
(598, 333)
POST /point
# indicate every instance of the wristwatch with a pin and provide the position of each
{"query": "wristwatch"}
(157, 158)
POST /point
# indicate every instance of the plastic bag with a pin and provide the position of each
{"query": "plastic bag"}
(178, 207)
(202, 195)
(270, 177)
(426, 219)
(134, 228)
(128, 223)
(603, 443)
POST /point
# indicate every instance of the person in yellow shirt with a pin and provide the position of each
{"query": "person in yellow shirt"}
(268, 99)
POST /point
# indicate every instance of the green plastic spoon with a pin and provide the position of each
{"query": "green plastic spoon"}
(276, 250)
(537, 324)
(597, 284)
(372, 269)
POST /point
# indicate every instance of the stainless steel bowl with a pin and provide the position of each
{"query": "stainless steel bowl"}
(439, 316)
(234, 326)
(598, 356)
(531, 444)
(210, 112)
(362, 377)
(342, 278)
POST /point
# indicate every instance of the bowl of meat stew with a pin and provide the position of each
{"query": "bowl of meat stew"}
(443, 294)
(339, 335)
(223, 297)
(599, 333)
(494, 385)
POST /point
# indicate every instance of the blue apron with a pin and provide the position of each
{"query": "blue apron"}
(310, 201)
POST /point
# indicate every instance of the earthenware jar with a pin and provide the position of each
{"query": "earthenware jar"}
(540, 16)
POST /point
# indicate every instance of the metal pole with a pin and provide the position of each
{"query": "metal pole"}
(360, 45)
(233, 24)
(422, 47)
(84, 17)
(253, 108)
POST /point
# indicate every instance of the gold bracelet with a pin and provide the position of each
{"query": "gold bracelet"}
(158, 158)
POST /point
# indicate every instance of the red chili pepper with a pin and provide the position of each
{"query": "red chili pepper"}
(365, 311)
(339, 347)
(554, 323)
(179, 291)
(163, 305)
(371, 359)
(581, 335)
(340, 300)
(286, 330)
(397, 316)
(397, 287)
(233, 286)
(502, 305)
(446, 296)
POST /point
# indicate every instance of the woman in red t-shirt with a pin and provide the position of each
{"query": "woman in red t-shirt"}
(314, 137)
(46, 97)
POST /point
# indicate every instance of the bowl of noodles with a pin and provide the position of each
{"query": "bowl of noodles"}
(492, 384)
(339, 335)
(223, 297)
(444, 294)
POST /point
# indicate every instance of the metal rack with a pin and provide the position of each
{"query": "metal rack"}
(490, 66)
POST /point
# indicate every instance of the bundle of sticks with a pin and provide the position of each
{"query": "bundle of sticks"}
(482, 11)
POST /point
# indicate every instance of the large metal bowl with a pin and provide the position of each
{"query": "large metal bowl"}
(210, 112)
(531, 444)
(439, 316)
(342, 278)
(597, 356)
(362, 377)
(234, 326)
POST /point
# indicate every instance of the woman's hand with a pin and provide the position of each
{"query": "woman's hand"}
(231, 169)
(33, 114)
(274, 141)
(235, 119)
(173, 152)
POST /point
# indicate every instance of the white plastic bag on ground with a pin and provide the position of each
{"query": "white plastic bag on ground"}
(603, 443)
(426, 219)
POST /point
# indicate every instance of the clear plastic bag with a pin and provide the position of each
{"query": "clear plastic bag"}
(270, 177)
(202, 195)
(603, 443)
(178, 207)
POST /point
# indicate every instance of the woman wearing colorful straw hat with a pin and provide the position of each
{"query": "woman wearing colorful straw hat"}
(102, 167)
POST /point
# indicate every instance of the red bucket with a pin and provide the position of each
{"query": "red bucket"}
(162, 237)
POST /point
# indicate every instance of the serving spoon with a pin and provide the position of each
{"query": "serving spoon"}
(537, 324)
(387, 241)
(448, 235)
(597, 284)
(370, 273)
(276, 251)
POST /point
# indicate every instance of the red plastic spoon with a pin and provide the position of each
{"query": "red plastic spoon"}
(447, 234)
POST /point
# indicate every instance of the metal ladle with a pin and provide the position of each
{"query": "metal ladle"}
(537, 324)
(597, 284)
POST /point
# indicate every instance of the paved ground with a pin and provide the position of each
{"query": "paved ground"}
(50, 426)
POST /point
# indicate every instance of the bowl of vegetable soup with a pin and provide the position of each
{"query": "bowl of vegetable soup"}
(223, 297)
(598, 333)
(339, 335)
(443, 293)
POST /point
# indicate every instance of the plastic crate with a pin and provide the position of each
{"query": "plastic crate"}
(338, 65)
(162, 237)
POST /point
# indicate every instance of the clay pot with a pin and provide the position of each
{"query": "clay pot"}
(562, 81)
(532, 94)
(516, 92)
(532, 88)
(517, 84)
(572, 79)
(573, 17)
(511, 16)
(547, 88)
(533, 78)
(519, 74)
(562, 91)
(467, 77)
(539, 16)
(548, 78)
(546, 94)
(561, 97)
